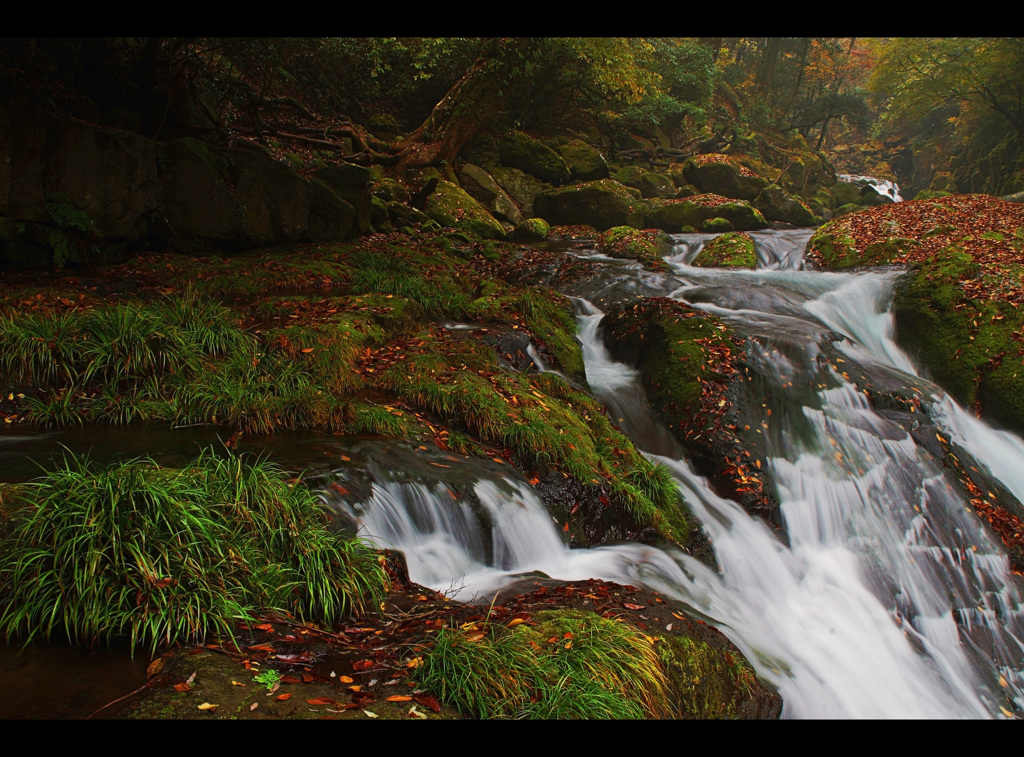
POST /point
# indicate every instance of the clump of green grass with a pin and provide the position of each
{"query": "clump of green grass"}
(170, 555)
(571, 664)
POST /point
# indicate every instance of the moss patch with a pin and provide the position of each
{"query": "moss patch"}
(732, 250)
(646, 246)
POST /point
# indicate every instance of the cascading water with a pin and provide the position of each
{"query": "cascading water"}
(891, 599)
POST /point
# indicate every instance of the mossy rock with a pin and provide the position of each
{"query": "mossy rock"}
(660, 336)
(585, 162)
(845, 193)
(963, 343)
(519, 185)
(843, 210)
(390, 190)
(713, 682)
(648, 247)
(532, 230)
(673, 215)
(718, 225)
(479, 184)
(451, 206)
(777, 205)
(406, 215)
(716, 174)
(931, 194)
(834, 246)
(601, 204)
(649, 183)
(519, 150)
(732, 250)
(379, 217)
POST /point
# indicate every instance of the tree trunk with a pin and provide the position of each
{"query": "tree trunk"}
(470, 106)
(766, 71)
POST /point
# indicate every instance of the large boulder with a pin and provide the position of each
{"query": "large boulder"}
(731, 250)
(778, 205)
(716, 174)
(522, 151)
(482, 187)
(674, 215)
(352, 184)
(649, 183)
(601, 204)
(451, 206)
(519, 185)
(585, 162)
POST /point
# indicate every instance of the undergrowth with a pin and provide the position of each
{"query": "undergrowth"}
(162, 555)
(569, 665)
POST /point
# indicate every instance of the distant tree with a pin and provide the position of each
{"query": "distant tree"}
(980, 82)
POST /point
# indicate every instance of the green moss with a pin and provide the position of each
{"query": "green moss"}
(835, 247)
(706, 683)
(969, 346)
(648, 247)
(718, 225)
(734, 249)
(886, 251)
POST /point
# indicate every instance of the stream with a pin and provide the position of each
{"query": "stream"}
(888, 596)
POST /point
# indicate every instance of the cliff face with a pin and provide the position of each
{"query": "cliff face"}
(67, 186)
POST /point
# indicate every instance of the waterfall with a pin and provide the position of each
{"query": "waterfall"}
(891, 599)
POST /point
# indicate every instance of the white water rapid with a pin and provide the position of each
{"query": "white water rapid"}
(891, 599)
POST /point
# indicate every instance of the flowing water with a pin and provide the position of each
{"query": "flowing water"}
(891, 598)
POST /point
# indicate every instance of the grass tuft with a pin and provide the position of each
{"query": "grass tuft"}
(170, 555)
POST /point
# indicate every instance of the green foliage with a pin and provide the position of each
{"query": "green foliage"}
(570, 665)
(75, 233)
(966, 94)
(164, 555)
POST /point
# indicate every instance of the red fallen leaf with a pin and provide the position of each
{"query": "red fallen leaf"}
(629, 606)
(307, 678)
(263, 648)
(567, 635)
(284, 697)
(565, 527)
(182, 687)
(399, 698)
(362, 664)
(308, 349)
(291, 679)
(339, 488)
(266, 627)
(321, 701)
(427, 701)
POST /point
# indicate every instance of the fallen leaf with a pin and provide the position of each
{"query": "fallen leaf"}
(182, 687)
(369, 714)
(629, 606)
(318, 701)
(399, 698)
(253, 706)
(284, 697)
(427, 700)
(154, 667)
(236, 683)
(207, 706)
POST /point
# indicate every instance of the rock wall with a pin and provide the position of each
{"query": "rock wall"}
(134, 193)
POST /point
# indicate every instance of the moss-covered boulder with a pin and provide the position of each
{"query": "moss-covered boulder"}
(390, 190)
(586, 163)
(649, 183)
(732, 250)
(717, 174)
(520, 186)
(674, 215)
(844, 193)
(532, 230)
(958, 311)
(601, 204)
(647, 246)
(519, 150)
(451, 206)
(718, 225)
(481, 186)
(778, 205)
